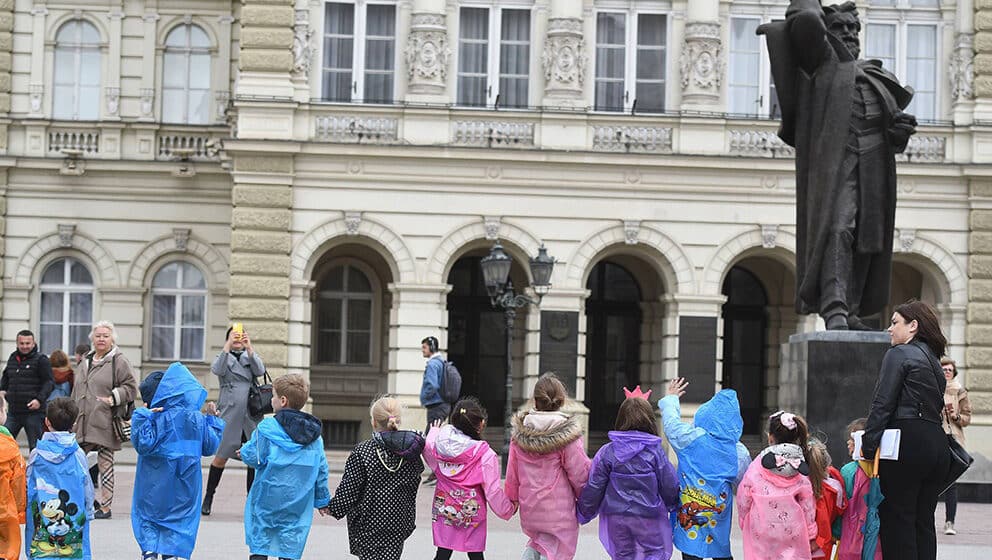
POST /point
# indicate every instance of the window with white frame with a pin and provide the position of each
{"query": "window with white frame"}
(750, 88)
(904, 35)
(66, 305)
(492, 72)
(359, 56)
(344, 317)
(76, 94)
(179, 303)
(631, 52)
(186, 76)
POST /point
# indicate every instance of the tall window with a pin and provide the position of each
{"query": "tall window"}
(630, 61)
(77, 72)
(66, 305)
(186, 76)
(493, 72)
(903, 35)
(359, 52)
(179, 302)
(344, 317)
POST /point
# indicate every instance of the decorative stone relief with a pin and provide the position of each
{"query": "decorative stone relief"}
(702, 62)
(36, 94)
(906, 239)
(492, 225)
(113, 95)
(302, 46)
(769, 236)
(352, 221)
(66, 233)
(564, 58)
(147, 102)
(427, 53)
(961, 70)
(181, 237)
(631, 231)
(221, 100)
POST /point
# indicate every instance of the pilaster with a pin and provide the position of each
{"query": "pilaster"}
(978, 355)
(702, 60)
(266, 58)
(6, 64)
(983, 60)
(427, 53)
(565, 56)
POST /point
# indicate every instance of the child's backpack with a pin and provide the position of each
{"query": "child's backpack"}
(451, 382)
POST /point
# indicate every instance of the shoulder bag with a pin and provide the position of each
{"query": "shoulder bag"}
(120, 415)
(961, 460)
(260, 396)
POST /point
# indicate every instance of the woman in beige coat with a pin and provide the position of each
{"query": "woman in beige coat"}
(957, 413)
(95, 392)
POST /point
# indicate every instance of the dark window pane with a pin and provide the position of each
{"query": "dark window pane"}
(334, 280)
(193, 278)
(359, 315)
(50, 338)
(193, 310)
(163, 343)
(55, 273)
(329, 313)
(358, 348)
(651, 29)
(51, 307)
(78, 334)
(192, 344)
(167, 276)
(163, 310)
(329, 347)
(81, 308)
(78, 273)
(357, 282)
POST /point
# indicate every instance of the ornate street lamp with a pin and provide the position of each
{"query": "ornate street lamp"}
(496, 274)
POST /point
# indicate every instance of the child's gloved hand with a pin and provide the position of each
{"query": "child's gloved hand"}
(677, 387)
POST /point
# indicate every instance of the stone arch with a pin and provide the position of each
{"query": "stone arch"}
(205, 253)
(674, 264)
(783, 248)
(106, 269)
(941, 265)
(441, 260)
(172, 23)
(392, 247)
(55, 25)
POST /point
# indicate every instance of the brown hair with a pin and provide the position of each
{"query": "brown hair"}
(61, 414)
(294, 387)
(928, 329)
(549, 393)
(636, 414)
(856, 425)
(947, 361)
(818, 460)
(469, 416)
(386, 412)
(783, 434)
(59, 359)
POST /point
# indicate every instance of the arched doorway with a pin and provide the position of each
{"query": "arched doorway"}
(745, 326)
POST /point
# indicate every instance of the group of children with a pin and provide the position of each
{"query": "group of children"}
(792, 504)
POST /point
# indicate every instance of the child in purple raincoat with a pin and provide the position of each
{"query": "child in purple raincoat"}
(632, 486)
(468, 479)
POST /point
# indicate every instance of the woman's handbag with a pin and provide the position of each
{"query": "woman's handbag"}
(260, 396)
(961, 460)
(120, 415)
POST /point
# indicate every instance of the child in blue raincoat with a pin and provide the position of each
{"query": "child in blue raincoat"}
(170, 436)
(60, 490)
(287, 454)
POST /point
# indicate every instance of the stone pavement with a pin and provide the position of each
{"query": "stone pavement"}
(222, 534)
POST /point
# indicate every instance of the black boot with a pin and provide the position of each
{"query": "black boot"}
(213, 479)
(249, 480)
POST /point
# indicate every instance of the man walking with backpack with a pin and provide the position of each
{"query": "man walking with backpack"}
(430, 389)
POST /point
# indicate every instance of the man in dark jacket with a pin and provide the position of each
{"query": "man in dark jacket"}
(845, 118)
(27, 381)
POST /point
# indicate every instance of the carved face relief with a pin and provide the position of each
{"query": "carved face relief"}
(566, 59)
(428, 54)
(705, 64)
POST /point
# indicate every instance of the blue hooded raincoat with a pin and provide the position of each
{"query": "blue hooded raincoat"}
(287, 454)
(60, 499)
(711, 462)
(165, 507)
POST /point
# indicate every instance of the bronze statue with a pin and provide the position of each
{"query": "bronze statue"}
(845, 118)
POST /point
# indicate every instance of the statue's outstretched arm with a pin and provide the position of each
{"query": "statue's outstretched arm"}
(808, 32)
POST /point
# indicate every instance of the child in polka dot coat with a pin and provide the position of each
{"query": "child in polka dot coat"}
(378, 491)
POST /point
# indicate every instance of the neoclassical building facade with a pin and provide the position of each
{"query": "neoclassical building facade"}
(330, 173)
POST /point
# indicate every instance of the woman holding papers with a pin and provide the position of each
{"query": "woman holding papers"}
(909, 397)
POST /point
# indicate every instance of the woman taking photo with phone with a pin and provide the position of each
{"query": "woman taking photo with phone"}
(236, 366)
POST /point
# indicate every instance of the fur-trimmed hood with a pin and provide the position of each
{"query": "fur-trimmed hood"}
(536, 440)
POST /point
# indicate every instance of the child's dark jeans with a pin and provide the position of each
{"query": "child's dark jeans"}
(260, 557)
(445, 554)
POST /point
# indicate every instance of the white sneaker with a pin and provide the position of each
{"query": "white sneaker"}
(949, 528)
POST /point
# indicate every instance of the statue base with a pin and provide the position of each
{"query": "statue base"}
(829, 378)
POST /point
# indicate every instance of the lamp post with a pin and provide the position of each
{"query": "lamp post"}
(496, 273)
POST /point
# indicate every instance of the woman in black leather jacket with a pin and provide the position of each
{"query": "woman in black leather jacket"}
(909, 396)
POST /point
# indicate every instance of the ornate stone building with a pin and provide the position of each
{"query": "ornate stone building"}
(331, 172)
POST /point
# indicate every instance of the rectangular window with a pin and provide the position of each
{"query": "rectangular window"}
(631, 52)
(744, 80)
(910, 52)
(359, 55)
(493, 72)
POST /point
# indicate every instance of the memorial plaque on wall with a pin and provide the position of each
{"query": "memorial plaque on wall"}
(560, 345)
(697, 356)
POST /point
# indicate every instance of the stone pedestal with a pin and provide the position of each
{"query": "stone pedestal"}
(829, 377)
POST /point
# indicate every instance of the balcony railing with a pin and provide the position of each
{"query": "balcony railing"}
(85, 141)
(196, 146)
(632, 139)
(492, 133)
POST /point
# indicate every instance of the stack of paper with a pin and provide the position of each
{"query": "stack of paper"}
(888, 447)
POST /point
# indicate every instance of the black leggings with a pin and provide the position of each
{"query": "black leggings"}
(445, 554)
(951, 503)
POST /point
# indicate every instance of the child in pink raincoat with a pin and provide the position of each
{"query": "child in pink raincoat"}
(468, 479)
(547, 469)
(775, 501)
(857, 479)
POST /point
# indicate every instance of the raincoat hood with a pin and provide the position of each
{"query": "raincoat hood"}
(721, 416)
(298, 429)
(543, 432)
(453, 446)
(177, 389)
(627, 444)
(785, 460)
(402, 443)
(56, 447)
(149, 385)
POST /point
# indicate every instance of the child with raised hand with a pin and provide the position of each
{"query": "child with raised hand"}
(632, 486)
(170, 436)
(712, 461)
(828, 489)
(775, 501)
(12, 491)
(378, 491)
(547, 469)
(468, 480)
(857, 480)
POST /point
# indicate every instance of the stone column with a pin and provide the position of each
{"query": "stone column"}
(303, 50)
(978, 354)
(112, 90)
(983, 60)
(961, 69)
(146, 107)
(565, 58)
(266, 57)
(702, 61)
(6, 61)
(260, 247)
(427, 53)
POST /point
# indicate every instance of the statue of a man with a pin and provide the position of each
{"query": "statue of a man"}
(845, 118)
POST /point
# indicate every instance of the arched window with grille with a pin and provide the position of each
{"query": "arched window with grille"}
(344, 317)
(77, 72)
(186, 76)
(66, 305)
(178, 314)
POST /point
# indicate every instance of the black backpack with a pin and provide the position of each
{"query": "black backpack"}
(451, 382)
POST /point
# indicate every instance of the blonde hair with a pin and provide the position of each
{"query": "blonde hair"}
(386, 412)
(104, 325)
(294, 387)
(819, 460)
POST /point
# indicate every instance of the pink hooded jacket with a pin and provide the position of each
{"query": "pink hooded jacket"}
(776, 506)
(467, 481)
(547, 470)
